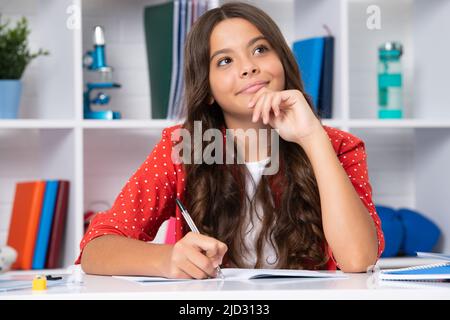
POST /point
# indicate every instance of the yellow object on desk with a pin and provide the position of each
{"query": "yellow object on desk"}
(39, 283)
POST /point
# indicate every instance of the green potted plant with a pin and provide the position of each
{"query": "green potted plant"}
(14, 58)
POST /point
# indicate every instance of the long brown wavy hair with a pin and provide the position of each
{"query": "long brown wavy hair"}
(215, 193)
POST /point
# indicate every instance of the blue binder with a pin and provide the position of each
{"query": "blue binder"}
(309, 55)
(315, 59)
(45, 224)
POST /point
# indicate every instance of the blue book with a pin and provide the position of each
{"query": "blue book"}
(438, 271)
(325, 101)
(309, 56)
(45, 224)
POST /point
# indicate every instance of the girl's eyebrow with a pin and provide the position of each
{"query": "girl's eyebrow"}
(252, 41)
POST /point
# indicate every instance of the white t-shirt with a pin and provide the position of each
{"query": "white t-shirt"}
(254, 221)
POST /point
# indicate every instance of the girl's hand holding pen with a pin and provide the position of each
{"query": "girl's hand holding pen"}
(195, 256)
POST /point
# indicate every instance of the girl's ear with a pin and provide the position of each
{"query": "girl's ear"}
(210, 100)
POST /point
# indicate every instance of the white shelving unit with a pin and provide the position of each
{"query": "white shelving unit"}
(407, 158)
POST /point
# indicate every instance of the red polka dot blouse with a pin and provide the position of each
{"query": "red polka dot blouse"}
(148, 197)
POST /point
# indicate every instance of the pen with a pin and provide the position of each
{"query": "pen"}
(193, 227)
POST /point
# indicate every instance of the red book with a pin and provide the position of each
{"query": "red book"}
(58, 226)
(24, 223)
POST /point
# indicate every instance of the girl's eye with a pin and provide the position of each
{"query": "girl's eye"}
(263, 48)
(219, 63)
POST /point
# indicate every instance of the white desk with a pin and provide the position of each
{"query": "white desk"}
(356, 286)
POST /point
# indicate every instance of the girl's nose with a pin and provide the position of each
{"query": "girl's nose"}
(247, 71)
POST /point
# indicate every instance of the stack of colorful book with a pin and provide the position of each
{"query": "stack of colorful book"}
(37, 223)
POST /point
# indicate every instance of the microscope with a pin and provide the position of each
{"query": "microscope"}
(95, 61)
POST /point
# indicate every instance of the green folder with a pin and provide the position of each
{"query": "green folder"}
(158, 26)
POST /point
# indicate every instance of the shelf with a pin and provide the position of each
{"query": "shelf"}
(36, 124)
(37, 155)
(128, 124)
(406, 157)
(398, 123)
(89, 124)
(388, 123)
(163, 123)
(417, 25)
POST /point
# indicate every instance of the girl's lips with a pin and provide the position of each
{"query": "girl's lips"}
(254, 88)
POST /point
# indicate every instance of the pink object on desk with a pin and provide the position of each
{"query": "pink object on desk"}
(170, 233)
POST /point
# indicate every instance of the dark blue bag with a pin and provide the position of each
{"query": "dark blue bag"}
(421, 233)
(406, 232)
(392, 229)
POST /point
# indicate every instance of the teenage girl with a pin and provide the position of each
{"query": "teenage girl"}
(315, 212)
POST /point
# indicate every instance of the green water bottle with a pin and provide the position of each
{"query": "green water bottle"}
(390, 101)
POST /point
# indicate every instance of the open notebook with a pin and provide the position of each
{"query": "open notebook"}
(236, 274)
(436, 271)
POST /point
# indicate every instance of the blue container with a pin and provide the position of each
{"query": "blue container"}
(10, 92)
(390, 95)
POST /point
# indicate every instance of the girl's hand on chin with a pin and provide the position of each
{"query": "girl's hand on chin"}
(288, 111)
